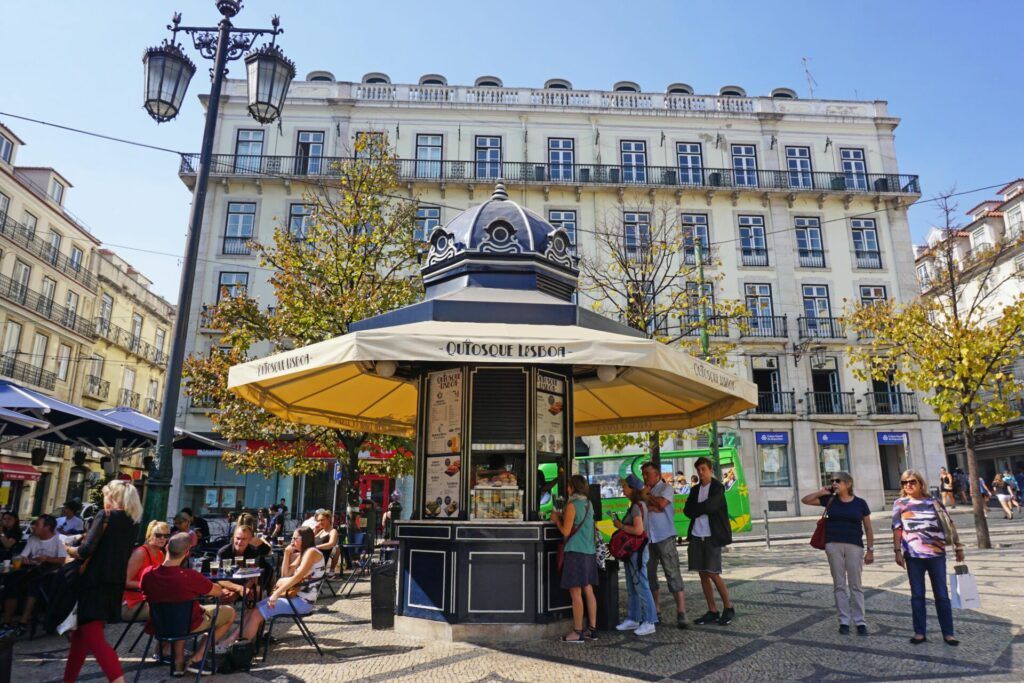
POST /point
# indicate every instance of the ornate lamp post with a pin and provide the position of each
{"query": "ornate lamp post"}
(168, 71)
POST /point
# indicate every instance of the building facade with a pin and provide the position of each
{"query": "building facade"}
(801, 201)
(989, 251)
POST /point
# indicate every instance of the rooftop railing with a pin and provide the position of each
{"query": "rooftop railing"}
(126, 340)
(24, 237)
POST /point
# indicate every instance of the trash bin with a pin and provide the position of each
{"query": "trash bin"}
(383, 582)
(6, 654)
(608, 596)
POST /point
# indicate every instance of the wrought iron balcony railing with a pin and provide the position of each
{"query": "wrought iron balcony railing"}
(821, 328)
(128, 398)
(690, 325)
(21, 235)
(237, 246)
(45, 307)
(21, 371)
(891, 403)
(126, 340)
(429, 170)
(868, 258)
(153, 407)
(764, 326)
(831, 403)
(754, 257)
(775, 403)
(97, 387)
(811, 258)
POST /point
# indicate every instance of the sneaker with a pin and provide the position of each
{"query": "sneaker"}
(205, 671)
(708, 618)
(844, 629)
(628, 625)
(862, 629)
(645, 629)
(727, 616)
(681, 622)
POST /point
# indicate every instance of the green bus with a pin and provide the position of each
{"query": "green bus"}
(677, 468)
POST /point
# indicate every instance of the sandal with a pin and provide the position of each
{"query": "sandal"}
(590, 633)
(578, 639)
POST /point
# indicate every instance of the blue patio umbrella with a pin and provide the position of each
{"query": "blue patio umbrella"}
(129, 418)
(9, 417)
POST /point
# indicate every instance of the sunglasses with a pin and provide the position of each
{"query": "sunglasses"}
(909, 482)
(837, 481)
(161, 535)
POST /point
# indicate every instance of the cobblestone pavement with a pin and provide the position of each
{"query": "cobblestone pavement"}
(785, 630)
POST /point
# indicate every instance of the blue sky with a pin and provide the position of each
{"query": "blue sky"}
(950, 70)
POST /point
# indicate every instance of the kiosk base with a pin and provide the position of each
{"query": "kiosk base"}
(479, 633)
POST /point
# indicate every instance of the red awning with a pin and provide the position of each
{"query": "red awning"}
(14, 472)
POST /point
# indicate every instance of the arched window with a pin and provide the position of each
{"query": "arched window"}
(488, 82)
(680, 89)
(626, 86)
(322, 76)
(732, 91)
(784, 94)
(557, 84)
(433, 79)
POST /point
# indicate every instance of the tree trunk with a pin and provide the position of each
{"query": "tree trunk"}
(977, 502)
(654, 444)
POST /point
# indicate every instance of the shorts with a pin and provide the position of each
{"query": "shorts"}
(664, 553)
(1004, 497)
(225, 616)
(703, 556)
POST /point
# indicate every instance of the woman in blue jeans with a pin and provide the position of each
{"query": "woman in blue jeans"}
(920, 543)
(641, 613)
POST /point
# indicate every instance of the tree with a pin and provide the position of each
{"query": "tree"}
(954, 343)
(353, 256)
(644, 271)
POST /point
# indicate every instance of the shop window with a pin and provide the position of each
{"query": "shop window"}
(773, 463)
(833, 455)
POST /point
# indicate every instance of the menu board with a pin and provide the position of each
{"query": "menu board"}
(441, 497)
(444, 412)
(550, 414)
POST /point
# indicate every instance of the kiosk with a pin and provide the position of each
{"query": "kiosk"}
(493, 375)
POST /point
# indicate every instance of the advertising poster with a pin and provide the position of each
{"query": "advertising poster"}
(212, 500)
(228, 498)
(444, 412)
(441, 493)
(550, 414)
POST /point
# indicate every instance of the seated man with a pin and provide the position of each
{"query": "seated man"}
(42, 555)
(170, 582)
(69, 523)
(242, 545)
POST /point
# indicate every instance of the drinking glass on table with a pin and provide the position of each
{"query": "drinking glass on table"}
(215, 566)
(16, 562)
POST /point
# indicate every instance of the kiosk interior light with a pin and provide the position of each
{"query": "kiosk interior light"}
(385, 368)
(607, 373)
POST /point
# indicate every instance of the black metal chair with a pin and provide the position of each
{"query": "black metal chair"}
(364, 547)
(131, 622)
(296, 617)
(172, 622)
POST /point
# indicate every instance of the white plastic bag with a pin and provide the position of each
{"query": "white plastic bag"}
(70, 622)
(963, 589)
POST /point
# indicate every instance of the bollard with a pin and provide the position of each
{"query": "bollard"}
(767, 533)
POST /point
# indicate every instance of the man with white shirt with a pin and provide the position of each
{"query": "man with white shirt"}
(43, 554)
(311, 522)
(710, 531)
(69, 523)
(661, 530)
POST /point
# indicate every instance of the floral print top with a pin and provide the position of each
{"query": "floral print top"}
(922, 530)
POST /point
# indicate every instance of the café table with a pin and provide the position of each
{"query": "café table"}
(246, 575)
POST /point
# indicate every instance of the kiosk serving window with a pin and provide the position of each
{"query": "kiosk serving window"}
(498, 453)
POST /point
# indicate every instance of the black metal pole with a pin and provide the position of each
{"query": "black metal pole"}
(158, 493)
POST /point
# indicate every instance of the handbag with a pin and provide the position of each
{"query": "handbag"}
(624, 544)
(68, 588)
(238, 657)
(818, 537)
(949, 531)
(560, 557)
(601, 553)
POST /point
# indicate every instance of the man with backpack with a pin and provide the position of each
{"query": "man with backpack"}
(662, 534)
(710, 531)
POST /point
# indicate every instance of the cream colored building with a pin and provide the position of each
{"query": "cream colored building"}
(996, 226)
(802, 200)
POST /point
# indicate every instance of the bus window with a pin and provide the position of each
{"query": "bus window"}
(603, 473)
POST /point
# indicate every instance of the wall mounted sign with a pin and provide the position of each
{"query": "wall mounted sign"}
(892, 438)
(550, 414)
(441, 496)
(826, 438)
(772, 438)
(444, 412)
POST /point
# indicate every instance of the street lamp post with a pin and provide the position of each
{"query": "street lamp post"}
(167, 74)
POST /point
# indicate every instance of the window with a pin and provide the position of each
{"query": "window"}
(428, 156)
(6, 148)
(871, 294)
(758, 300)
(12, 339)
(865, 243)
(238, 228)
(488, 156)
(1014, 223)
(39, 344)
(698, 300)
(106, 311)
(369, 144)
(854, 168)
(567, 221)
(71, 304)
(817, 310)
(248, 151)
(427, 218)
(561, 157)
(310, 152)
(160, 339)
(136, 334)
(690, 161)
(642, 312)
(76, 258)
(753, 246)
(63, 361)
(979, 239)
(96, 366)
(54, 247)
(232, 285)
(694, 228)
(5, 203)
(1018, 264)
(637, 232)
(30, 222)
(298, 220)
(808, 243)
(833, 457)
(56, 190)
(773, 462)
(744, 165)
(48, 292)
(128, 382)
(633, 157)
(924, 276)
(798, 163)
(22, 275)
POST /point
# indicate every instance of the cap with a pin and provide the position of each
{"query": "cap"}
(634, 482)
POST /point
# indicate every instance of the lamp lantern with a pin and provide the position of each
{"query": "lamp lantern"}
(269, 75)
(168, 72)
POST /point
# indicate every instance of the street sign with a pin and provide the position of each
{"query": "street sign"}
(337, 471)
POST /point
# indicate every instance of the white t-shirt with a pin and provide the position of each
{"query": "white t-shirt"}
(662, 525)
(36, 547)
(69, 526)
(701, 526)
(310, 523)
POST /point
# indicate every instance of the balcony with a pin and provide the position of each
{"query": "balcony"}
(775, 403)
(237, 246)
(690, 325)
(821, 328)
(97, 387)
(26, 239)
(754, 257)
(831, 403)
(128, 398)
(540, 173)
(812, 258)
(37, 303)
(153, 407)
(891, 403)
(126, 340)
(868, 259)
(764, 326)
(26, 373)
(690, 256)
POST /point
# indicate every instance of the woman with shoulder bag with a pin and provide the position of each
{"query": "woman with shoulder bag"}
(919, 540)
(845, 517)
(641, 613)
(105, 553)
(579, 567)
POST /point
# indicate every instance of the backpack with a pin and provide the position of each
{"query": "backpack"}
(623, 545)
(238, 657)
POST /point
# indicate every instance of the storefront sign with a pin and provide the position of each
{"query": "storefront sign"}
(441, 498)
(550, 414)
(772, 438)
(833, 437)
(473, 349)
(444, 412)
(892, 438)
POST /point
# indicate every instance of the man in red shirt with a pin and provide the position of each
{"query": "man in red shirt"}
(170, 582)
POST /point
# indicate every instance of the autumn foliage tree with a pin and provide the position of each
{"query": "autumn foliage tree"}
(353, 256)
(955, 343)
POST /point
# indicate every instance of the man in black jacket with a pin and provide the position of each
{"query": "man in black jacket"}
(710, 531)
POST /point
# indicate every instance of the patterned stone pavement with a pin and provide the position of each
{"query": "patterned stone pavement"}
(785, 630)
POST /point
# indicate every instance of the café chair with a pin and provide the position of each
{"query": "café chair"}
(131, 622)
(172, 622)
(297, 618)
(363, 546)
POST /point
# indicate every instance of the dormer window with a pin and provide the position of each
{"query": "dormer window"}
(376, 78)
(557, 84)
(56, 190)
(732, 91)
(626, 86)
(433, 79)
(488, 82)
(6, 148)
(784, 94)
(680, 89)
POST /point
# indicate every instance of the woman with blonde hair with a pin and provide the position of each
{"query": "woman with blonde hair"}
(106, 549)
(1003, 494)
(149, 554)
(919, 530)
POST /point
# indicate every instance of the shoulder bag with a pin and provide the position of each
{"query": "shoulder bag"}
(818, 537)
(624, 544)
(560, 557)
(68, 587)
(948, 528)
